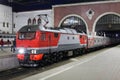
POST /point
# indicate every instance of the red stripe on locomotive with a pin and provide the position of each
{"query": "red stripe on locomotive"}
(83, 39)
(20, 56)
(36, 57)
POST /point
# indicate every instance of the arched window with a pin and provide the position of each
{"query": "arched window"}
(108, 22)
(109, 19)
(74, 22)
(29, 21)
(7, 32)
(34, 21)
(39, 21)
(3, 32)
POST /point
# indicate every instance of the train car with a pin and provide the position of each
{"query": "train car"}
(95, 42)
(37, 44)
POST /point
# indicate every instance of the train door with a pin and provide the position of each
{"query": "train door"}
(53, 39)
(49, 42)
(46, 41)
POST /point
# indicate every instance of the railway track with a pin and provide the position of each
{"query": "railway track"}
(8, 74)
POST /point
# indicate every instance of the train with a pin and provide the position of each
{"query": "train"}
(37, 45)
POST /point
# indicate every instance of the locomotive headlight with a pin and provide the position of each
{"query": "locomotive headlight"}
(33, 51)
(22, 50)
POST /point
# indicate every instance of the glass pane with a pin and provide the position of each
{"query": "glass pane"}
(27, 35)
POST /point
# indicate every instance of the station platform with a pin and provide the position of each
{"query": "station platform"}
(105, 65)
(8, 59)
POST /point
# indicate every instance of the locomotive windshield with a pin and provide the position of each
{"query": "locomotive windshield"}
(26, 35)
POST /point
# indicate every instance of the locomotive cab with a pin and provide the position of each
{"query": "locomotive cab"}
(27, 43)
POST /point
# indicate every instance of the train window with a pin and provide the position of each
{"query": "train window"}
(4, 36)
(68, 37)
(73, 38)
(26, 35)
(7, 32)
(43, 36)
(55, 35)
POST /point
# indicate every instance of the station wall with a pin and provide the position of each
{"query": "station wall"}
(21, 18)
(5, 19)
(89, 11)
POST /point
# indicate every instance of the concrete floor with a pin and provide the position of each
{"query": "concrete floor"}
(8, 59)
(5, 51)
(99, 65)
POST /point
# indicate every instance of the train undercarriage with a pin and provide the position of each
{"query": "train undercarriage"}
(50, 58)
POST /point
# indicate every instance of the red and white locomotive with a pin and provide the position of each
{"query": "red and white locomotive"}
(36, 44)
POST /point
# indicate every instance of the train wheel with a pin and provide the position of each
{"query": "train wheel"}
(60, 56)
(83, 51)
(74, 53)
(65, 55)
(53, 57)
(46, 59)
(42, 63)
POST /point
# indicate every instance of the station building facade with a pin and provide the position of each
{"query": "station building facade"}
(86, 17)
(90, 17)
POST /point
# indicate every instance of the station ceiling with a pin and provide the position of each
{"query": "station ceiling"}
(28, 5)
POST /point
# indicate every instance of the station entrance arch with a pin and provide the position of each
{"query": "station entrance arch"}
(75, 22)
(106, 23)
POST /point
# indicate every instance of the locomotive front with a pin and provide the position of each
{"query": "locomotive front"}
(27, 43)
